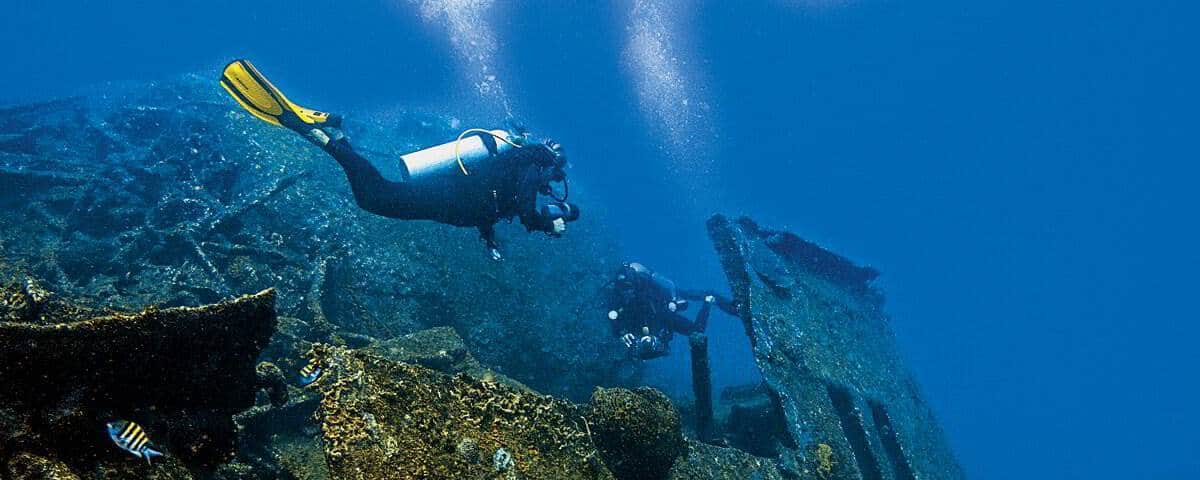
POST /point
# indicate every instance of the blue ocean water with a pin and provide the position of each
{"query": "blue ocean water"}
(1022, 172)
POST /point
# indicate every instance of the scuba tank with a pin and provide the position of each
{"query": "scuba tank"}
(442, 161)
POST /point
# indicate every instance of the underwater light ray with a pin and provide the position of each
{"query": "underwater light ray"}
(670, 90)
(473, 40)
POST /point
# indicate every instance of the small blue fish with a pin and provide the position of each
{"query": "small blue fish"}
(132, 438)
(309, 374)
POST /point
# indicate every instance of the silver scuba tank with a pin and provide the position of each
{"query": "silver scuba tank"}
(440, 162)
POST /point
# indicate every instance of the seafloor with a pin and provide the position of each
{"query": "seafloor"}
(166, 258)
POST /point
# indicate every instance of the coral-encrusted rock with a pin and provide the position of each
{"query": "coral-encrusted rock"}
(385, 419)
(182, 373)
(25, 466)
(638, 431)
(168, 469)
(26, 301)
(440, 349)
(271, 380)
(706, 462)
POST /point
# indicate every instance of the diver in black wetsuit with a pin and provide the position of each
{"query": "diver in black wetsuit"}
(645, 310)
(507, 174)
(505, 188)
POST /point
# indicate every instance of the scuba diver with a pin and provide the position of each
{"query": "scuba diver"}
(645, 310)
(475, 181)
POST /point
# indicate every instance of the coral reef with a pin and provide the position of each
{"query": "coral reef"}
(823, 454)
(28, 466)
(440, 349)
(182, 372)
(271, 380)
(638, 431)
(382, 419)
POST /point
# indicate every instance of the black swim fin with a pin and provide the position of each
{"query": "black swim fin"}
(258, 96)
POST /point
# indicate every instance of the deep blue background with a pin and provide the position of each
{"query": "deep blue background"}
(1022, 172)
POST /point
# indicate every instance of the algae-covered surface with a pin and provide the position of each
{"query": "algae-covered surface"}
(384, 419)
(638, 431)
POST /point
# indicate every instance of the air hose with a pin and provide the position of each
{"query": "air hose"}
(566, 192)
(458, 155)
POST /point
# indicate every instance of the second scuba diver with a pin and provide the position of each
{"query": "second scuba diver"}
(645, 310)
(475, 181)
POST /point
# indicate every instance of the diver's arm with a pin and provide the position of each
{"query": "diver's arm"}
(527, 184)
(534, 221)
(724, 303)
(550, 218)
(666, 291)
(694, 294)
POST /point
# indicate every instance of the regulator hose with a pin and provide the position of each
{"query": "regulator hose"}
(566, 192)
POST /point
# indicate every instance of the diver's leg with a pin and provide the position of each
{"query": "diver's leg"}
(724, 303)
(701, 322)
(372, 192)
(680, 324)
(260, 98)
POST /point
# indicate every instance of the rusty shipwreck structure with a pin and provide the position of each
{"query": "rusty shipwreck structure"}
(843, 404)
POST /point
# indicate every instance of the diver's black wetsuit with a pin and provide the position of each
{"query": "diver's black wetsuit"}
(372, 192)
(642, 301)
(503, 188)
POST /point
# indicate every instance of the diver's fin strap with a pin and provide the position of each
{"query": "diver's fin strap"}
(258, 96)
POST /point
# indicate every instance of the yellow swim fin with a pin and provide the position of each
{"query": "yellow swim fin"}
(258, 96)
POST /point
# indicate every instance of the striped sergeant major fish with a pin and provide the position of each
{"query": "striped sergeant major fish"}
(131, 438)
(309, 374)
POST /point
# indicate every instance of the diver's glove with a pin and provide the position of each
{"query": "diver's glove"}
(628, 339)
